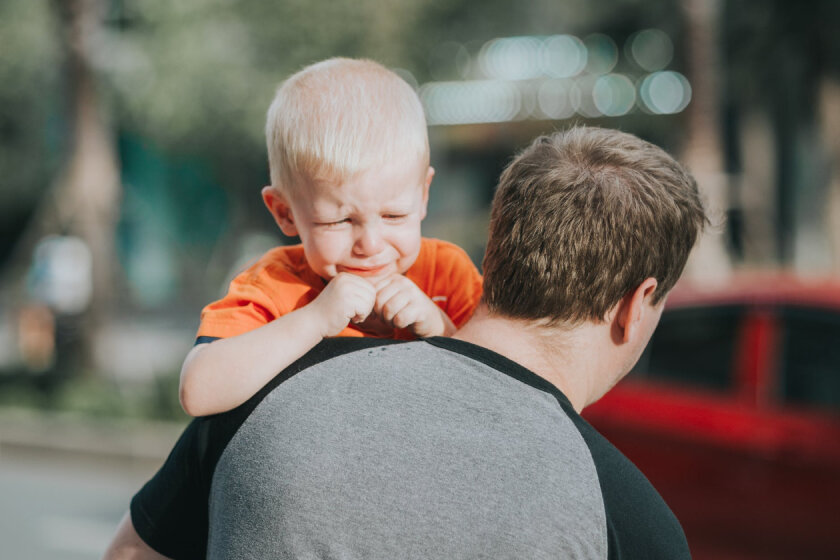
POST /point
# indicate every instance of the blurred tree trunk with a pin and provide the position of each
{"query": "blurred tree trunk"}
(84, 198)
(703, 148)
(87, 195)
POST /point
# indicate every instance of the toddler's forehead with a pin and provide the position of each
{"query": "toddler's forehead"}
(387, 174)
(393, 185)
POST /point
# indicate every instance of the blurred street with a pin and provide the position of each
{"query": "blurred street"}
(63, 495)
(49, 511)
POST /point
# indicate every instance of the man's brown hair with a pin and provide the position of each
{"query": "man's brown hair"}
(582, 217)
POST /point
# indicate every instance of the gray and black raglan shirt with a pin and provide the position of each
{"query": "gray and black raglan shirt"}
(368, 448)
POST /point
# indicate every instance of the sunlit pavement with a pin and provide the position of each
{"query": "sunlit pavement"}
(66, 484)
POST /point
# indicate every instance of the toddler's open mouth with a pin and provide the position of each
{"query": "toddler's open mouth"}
(366, 270)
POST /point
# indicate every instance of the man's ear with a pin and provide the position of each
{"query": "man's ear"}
(632, 309)
(280, 209)
(430, 173)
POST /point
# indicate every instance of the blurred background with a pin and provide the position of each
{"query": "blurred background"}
(132, 157)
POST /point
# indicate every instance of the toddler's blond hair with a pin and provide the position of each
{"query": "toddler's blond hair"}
(339, 117)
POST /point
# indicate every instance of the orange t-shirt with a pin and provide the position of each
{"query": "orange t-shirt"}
(281, 281)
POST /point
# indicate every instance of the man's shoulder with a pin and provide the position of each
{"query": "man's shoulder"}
(415, 358)
(223, 426)
(330, 348)
(327, 349)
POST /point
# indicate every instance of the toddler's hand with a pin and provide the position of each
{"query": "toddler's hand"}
(346, 298)
(404, 306)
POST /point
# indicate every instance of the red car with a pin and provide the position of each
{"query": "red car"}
(733, 413)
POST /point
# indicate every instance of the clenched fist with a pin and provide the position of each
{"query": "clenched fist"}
(346, 298)
(401, 304)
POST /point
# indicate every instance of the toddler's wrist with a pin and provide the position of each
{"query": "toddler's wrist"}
(315, 321)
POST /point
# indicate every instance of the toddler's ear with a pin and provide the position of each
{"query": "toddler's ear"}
(426, 183)
(280, 209)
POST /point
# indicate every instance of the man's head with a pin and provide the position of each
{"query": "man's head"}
(581, 219)
(349, 156)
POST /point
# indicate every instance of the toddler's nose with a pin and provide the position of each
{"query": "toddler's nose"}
(369, 240)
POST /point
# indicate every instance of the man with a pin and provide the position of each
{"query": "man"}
(470, 446)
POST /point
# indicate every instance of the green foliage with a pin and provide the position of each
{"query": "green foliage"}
(29, 97)
(198, 76)
(96, 397)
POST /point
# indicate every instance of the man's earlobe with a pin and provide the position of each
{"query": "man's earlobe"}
(280, 210)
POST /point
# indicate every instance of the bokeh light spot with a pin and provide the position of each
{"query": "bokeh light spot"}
(583, 99)
(563, 56)
(614, 95)
(651, 49)
(665, 93)
(602, 54)
(480, 101)
(554, 101)
(511, 58)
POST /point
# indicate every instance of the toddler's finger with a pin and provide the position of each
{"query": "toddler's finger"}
(392, 306)
(359, 318)
(365, 302)
(385, 295)
(406, 317)
(361, 307)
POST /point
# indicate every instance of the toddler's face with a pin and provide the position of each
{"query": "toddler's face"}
(368, 225)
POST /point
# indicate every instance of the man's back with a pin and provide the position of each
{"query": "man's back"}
(430, 449)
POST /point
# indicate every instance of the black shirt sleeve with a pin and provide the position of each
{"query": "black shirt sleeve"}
(170, 512)
(639, 522)
(205, 340)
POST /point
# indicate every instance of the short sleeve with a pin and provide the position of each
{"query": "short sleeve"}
(245, 307)
(170, 512)
(277, 284)
(639, 522)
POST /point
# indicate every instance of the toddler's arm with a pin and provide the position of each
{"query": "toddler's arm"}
(220, 376)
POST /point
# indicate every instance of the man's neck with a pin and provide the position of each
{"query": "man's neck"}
(570, 358)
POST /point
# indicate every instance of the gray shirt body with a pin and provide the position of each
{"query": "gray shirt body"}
(427, 449)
